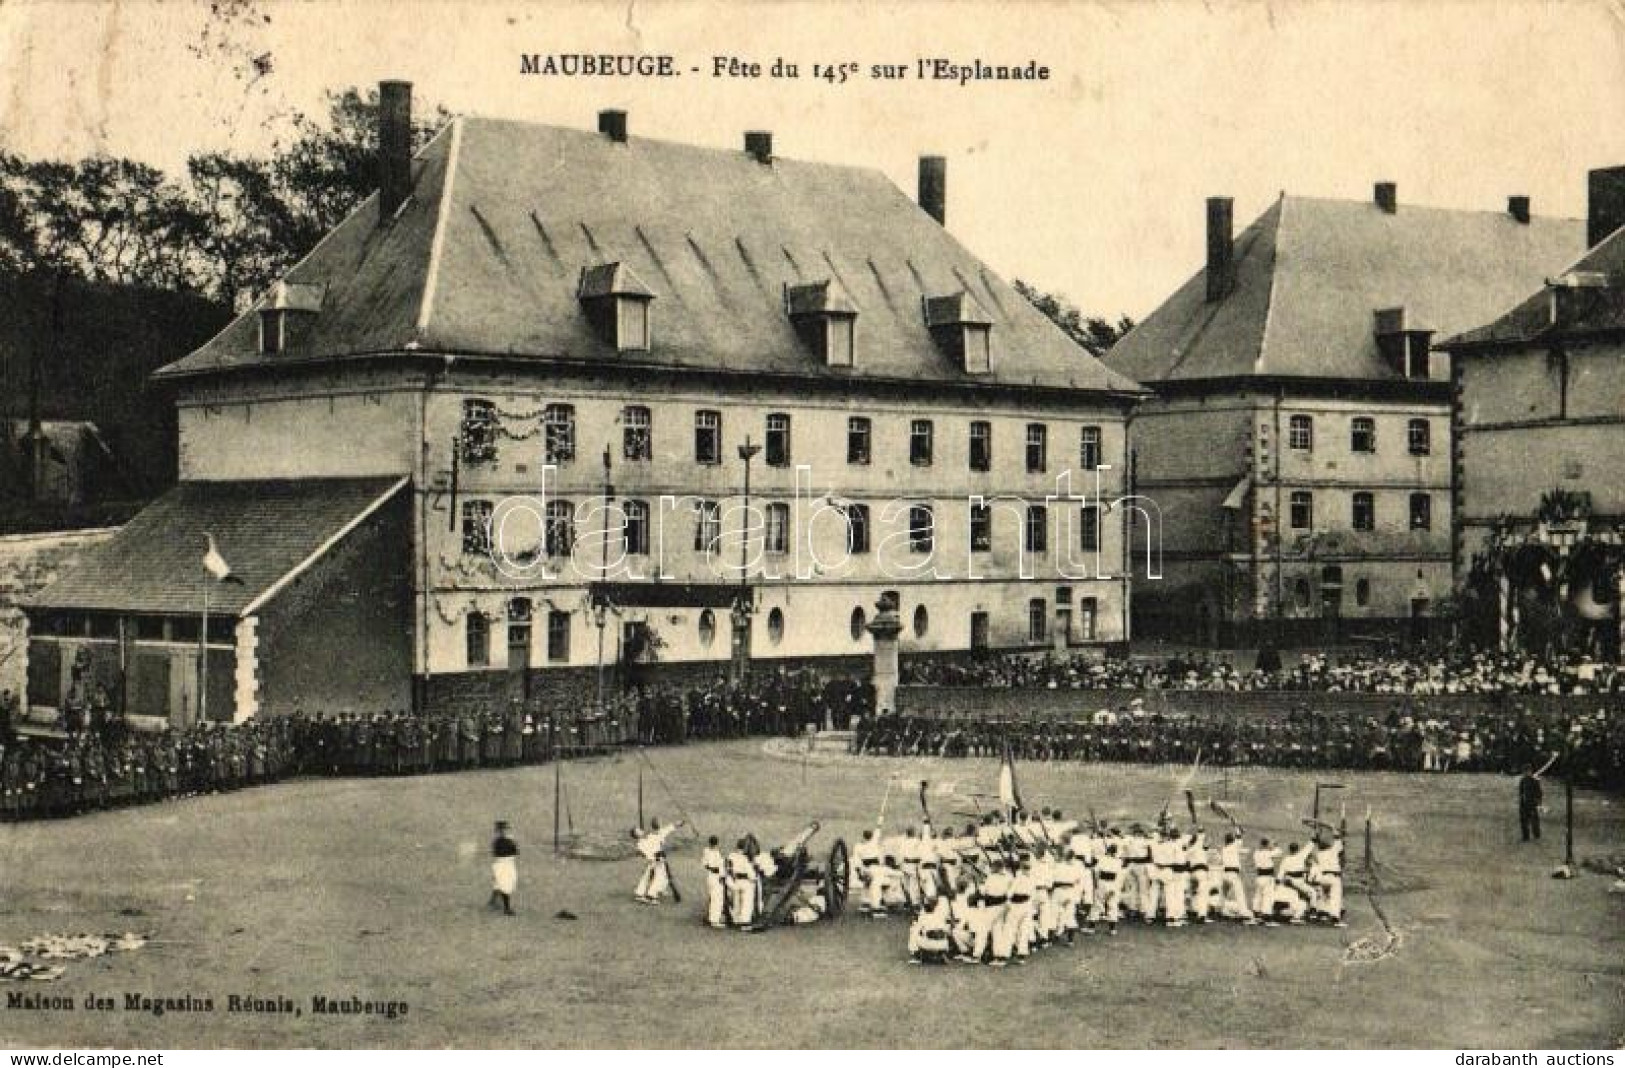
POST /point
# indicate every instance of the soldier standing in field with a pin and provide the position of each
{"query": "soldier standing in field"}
(1530, 796)
(504, 868)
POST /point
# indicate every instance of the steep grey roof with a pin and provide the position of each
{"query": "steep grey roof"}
(1593, 311)
(487, 255)
(1311, 273)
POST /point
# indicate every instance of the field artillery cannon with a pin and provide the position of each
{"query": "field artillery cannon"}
(796, 882)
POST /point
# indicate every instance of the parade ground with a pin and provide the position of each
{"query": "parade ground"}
(375, 889)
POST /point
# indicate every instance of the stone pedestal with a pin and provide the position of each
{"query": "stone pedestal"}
(885, 628)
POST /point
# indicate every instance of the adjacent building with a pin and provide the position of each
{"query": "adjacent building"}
(1299, 446)
(558, 406)
(1540, 441)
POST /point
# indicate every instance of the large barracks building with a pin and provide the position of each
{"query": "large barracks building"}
(1299, 445)
(494, 436)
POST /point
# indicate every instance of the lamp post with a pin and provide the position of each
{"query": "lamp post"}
(600, 608)
(742, 599)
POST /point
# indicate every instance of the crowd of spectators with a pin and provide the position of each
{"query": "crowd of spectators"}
(1589, 745)
(48, 775)
(1445, 671)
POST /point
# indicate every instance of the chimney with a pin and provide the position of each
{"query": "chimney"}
(934, 188)
(1605, 212)
(1518, 208)
(759, 143)
(1386, 195)
(612, 124)
(394, 147)
(1221, 248)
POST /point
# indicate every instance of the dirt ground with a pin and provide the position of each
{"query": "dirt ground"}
(377, 889)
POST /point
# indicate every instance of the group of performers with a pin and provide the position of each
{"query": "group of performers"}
(996, 892)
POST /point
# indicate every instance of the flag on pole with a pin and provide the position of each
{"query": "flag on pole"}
(214, 563)
(1009, 793)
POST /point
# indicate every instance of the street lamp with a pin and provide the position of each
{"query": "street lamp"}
(600, 602)
(742, 599)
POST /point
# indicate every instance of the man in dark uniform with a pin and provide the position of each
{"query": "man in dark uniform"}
(1530, 797)
(504, 868)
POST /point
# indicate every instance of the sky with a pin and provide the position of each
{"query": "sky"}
(1090, 184)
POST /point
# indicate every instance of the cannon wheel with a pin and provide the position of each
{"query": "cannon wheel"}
(837, 875)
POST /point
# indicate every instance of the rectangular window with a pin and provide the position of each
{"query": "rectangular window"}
(1088, 612)
(476, 527)
(637, 439)
(978, 630)
(778, 440)
(519, 614)
(1300, 433)
(635, 536)
(708, 437)
(981, 528)
(559, 534)
(632, 333)
(477, 639)
(1365, 512)
(1421, 511)
(1303, 510)
(478, 434)
(778, 528)
(1363, 434)
(1089, 455)
(1036, 535)
(919, 443)
(1037, 447)
(1089, 528)
(559, 433)
(981, 446)
(857, 440)
(857, 527)
(707, 526)
(921, 528)
(558, 637)
(1419, 436)
(838, 340)
(1037, 621)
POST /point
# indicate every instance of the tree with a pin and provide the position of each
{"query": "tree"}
(235, 225)
(1094, 334)
(240, 226)
(104, 219)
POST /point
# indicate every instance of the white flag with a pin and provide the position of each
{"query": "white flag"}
(214, 563)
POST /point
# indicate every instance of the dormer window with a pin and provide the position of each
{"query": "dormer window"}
(961, 329)
(1405, 348)
(286, 315)
(617, 305)
(824, 318)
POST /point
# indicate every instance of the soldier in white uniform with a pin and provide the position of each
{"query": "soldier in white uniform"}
(742, 884)
(909, 855)
(1291, 888)
(1329, 864)
(1232, 891)
(991, 928)
(1070, 876)
(865, 869)
(1045, 920)
(928, 935)
(1201, 876)
(716, 884)
(656, 878)
(1108, 888)
(1020, 920)
(1265, 858)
